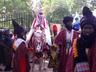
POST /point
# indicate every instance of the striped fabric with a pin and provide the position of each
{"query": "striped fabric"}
(82, 67)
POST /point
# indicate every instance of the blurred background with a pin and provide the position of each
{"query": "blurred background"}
(24, 11)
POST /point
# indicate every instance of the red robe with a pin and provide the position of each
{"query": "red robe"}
(63, 57)
(21, 63)
(92, 57)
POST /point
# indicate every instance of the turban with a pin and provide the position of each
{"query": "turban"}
(67, 19)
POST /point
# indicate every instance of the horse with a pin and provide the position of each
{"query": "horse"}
(39, 48)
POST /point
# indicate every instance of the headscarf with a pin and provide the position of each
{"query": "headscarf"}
(67, 19)
(86, 41)
(87, 18)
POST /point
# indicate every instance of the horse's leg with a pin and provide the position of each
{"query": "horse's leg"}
(33, 64)
(40, 64)
(44, 59)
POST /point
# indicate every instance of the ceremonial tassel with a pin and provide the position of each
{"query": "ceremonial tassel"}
(75, 50)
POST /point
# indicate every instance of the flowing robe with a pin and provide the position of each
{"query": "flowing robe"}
(64, 57)
(92, 57)
(21, 62)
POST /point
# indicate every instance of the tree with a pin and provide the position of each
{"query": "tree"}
(15, 9)
(55, 10)
(70, 4)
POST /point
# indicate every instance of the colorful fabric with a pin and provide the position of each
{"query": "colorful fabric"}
(60, 40)
(65, 60)
(75, 51)
(82, 67)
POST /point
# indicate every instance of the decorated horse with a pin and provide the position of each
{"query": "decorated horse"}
(39, 40)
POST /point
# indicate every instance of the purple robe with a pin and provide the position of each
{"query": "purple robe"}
(60, 40)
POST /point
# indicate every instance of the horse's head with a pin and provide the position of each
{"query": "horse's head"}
(38, 35)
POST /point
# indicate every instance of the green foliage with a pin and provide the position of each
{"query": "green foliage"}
(59, 13)
(53, 10)
(15, 9)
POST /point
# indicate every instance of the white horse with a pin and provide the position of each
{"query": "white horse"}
(39, 38)
(39, 45)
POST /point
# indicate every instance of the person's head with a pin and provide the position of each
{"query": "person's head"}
(68, 22)
(86, 11)
(40, 15)
(18, 30)
(88, 29)
(88, 24)
(76, 19)
(88, 33)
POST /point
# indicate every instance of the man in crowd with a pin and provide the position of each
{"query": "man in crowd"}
(64, 41)
(21, 62)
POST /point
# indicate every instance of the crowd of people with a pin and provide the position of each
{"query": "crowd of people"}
(71, 50)
(77, 49)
